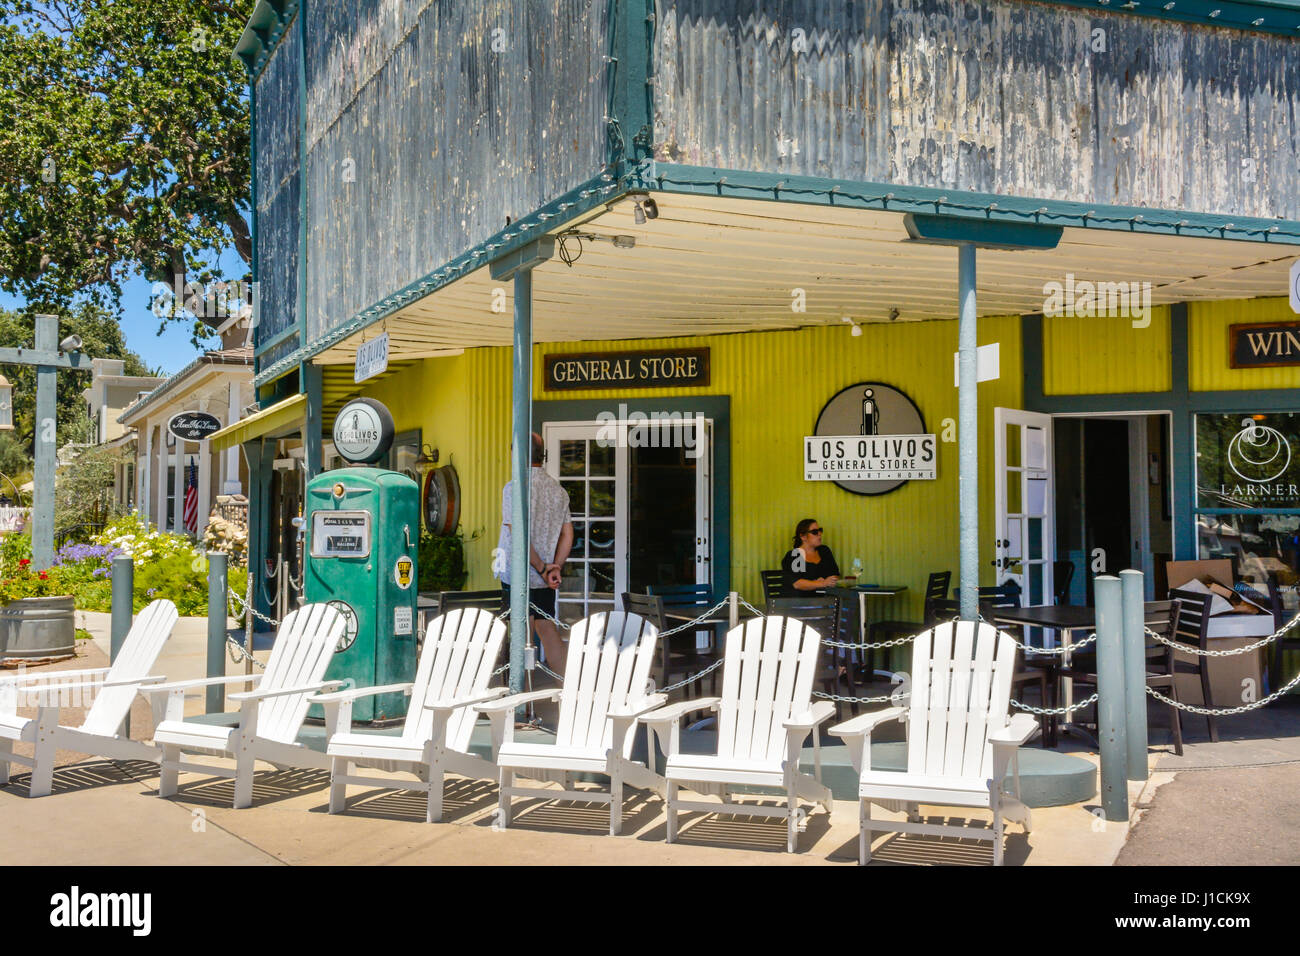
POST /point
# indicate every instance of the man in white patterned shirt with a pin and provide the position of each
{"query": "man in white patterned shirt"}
(550, 538)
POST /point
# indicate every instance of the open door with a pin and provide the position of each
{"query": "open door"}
(1022, 452)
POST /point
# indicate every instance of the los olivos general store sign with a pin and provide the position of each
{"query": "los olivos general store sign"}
(869, 439)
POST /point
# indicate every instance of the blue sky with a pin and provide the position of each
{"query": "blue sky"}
(171, 351)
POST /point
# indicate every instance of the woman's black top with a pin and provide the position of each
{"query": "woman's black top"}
(824, 568)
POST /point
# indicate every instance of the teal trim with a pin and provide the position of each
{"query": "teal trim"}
(262, 34)
(312, 379)
(276, 339)
(820, 191)
(717, 408)
(631, 114)
(576, 202)
(986, 233)
(302, 172)
(1180, 401)
(252, 193)
(1281, 17)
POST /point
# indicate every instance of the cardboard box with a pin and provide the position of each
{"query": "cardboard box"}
(1232, 679)
(1217, 569)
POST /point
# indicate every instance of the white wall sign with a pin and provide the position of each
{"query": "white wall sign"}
(868, 457)
(372, 358)
(988, 365)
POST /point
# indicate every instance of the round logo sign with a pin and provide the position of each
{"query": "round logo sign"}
(350, 619)
(1257, 453)
(871, 411)
(193, 426)
(363, 431)
(403, 572)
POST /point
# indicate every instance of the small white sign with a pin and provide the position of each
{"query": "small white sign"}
(1295, 286)
(372, 358)
(987, 365)
(401, 620)
(868, 457)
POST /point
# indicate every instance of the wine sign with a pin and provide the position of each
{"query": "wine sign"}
(193, 426)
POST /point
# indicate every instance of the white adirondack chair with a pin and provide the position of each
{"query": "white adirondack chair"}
(269, 717)
(455, 667)
(605, 690)
(960, 737)
(113, 689)
(765, 714)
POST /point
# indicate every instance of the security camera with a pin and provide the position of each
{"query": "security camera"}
(71, 344)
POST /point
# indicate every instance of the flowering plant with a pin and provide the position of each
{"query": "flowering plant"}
(21, 581)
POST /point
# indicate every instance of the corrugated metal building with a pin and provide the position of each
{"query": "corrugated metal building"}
(1126, 173)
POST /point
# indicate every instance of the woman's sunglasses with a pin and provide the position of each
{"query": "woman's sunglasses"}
(814, 530)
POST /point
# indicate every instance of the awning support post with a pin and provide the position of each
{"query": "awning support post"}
(967, 435)
(519, 266)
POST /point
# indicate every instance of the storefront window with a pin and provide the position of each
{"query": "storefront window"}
(1248, 495)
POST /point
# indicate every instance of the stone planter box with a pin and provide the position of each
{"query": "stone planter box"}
(35, 628)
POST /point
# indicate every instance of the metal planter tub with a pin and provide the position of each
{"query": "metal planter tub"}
(38, 627)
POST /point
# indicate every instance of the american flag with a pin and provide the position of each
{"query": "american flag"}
(191, 513)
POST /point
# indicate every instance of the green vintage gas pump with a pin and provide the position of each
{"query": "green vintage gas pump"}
(363, 528)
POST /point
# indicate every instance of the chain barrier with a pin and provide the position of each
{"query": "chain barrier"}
(245, 606)
(692, 679)
(845, 699)
(238, 655)
(1198, 652)
(1056, 711)
(1227, 711)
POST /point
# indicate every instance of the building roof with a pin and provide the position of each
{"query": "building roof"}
(241, 357)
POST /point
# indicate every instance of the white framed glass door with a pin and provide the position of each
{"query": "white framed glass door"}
(1022, 452)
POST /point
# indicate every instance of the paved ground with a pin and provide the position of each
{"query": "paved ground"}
(102, 813)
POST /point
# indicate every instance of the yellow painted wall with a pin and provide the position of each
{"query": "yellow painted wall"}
(1099, 355)
(778, 383)
(1207, 335)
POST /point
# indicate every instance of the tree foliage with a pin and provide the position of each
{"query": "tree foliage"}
(125, 146)
(101, 337)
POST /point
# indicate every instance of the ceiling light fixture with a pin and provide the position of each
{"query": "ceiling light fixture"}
(857, 329)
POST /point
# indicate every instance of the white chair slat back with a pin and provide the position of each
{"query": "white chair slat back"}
(767, 678)
(135, 658)
(608, 667)
(960, 694)
(460, 648)
(302, 652)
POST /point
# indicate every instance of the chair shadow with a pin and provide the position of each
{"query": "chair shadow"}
(553, 814)
(462, 799)
(272, 786)
(918, 849)
(721, 828)
(72, 778)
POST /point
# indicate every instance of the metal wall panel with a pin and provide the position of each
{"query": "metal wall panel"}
(277, 189)
(422, 138)
(1100, 355)
(999, 97)
(778, 383)
(1207, 340)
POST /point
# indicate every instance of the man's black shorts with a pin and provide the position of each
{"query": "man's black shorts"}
(543, 598)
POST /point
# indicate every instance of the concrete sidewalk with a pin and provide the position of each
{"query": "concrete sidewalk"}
(103, 813)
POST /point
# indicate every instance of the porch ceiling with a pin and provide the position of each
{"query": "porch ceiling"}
(711, 265)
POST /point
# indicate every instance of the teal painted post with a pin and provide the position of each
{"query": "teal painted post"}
(1135, 672)
(217, 602)
(313, 425)
(967, 435)
(47, 334)
(521, 462)
(121, 606)
(1110, 702)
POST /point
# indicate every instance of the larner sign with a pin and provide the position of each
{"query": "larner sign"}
(642, 369)
(193, 426)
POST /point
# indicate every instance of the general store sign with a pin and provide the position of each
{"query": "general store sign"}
(869, 439)
(859, 458)
(657, 368)
(372, 358)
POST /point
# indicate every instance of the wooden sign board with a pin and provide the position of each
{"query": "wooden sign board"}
(1264, 345)
(651, 368)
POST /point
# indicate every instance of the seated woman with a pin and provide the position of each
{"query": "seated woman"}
(809, 564)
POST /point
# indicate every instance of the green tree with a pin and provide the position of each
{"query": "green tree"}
(125, 146)
(101, 337)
